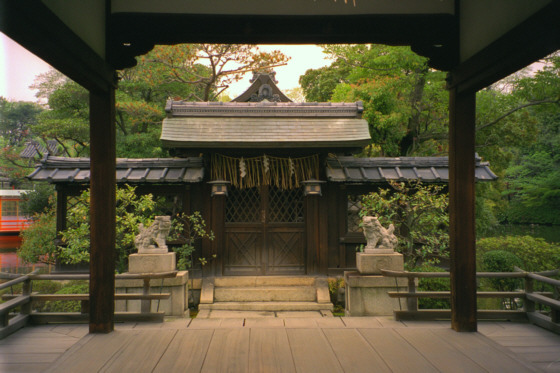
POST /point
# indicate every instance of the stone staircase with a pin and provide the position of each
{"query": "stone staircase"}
(265, 294)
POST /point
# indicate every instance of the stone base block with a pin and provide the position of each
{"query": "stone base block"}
(176, 305)
(151, 263)
(367, 295)
(372, 264)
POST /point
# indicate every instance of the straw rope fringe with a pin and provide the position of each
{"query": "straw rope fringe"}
(284, 173)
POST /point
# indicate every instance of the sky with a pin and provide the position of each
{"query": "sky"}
(18, 69)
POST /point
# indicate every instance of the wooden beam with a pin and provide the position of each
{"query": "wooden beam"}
(136, 33)
(102, 211)
(535, 38)
(462, 233)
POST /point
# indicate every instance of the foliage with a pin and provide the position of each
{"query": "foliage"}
(535, 253)
(419, 214)
(502, 261)
(16, 118)
(405, 102)
(131, 210)
(191, 229)
(38, 240)
(334, 285)
(209, 67)
(41, 287)
(432, 284)
(39, 200)
(73, 287)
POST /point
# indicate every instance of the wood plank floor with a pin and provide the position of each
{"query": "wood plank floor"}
(329, 344)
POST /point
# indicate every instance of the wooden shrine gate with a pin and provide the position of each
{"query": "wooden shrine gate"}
(264, 232)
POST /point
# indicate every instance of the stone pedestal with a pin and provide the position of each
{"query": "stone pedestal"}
(151, 263)
(367, 295)
(176, 305)
(366, 289)
(373, 263)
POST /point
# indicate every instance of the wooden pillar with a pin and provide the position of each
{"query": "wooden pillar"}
(218, 227)
(312, 233)
(102, 211)
(462, 233)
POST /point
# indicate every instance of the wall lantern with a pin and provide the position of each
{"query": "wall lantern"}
(219, 187)
(312, 187)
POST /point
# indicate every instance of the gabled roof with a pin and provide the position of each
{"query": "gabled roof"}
(263, 87)
(381, 170)
(147, 170)
(263, 117)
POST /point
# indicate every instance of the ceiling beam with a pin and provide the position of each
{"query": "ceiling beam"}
(533, 39)
(39, 30)
(136, 33)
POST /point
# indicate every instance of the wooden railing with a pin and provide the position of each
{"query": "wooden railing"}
(549, 320)
(10, 320)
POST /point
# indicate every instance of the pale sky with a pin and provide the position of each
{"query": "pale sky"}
(18, 69)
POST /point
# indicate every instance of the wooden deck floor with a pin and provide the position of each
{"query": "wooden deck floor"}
(328, 344)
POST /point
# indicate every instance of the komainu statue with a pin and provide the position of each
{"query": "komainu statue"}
(378, 238)
(151, 240)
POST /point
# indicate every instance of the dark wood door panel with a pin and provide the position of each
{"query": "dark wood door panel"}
(285, 248)
(243, 251)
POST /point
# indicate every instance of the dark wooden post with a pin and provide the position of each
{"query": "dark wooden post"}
(218, 228)
(462, 233)
(102, 211)
(312, 233)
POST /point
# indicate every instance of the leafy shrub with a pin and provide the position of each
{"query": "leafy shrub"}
(73, 287)
(419, 214)
(38, 239)
(432, 284)
(38, 201)
(535, 253)
(501, 261)
(131, 210)
(190, 229)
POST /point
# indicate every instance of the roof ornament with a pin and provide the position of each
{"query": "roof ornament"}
(265, 94)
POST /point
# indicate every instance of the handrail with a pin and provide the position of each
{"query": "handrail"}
(17, 280)
(9, 325)
(530, 297)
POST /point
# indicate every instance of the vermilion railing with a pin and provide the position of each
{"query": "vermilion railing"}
(13, 225)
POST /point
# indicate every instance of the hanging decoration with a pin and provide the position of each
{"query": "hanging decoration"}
(284, 173)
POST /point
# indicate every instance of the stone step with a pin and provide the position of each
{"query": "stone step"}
(267, 306)
(245, 281)
(265, 294)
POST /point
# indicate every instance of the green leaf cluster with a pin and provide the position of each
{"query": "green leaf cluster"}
(419, 213)
(131, 210)
(38, 241)
(535, 253)
(190, 229)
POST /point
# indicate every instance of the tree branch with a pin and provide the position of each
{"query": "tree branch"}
(533, 103)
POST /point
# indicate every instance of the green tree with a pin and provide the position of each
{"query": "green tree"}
(405, 102)
(16, 118)
(419, 214)
(130, 212)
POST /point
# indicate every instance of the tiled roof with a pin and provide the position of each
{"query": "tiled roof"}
(264, 132)
(34, 149)
(264, 125)
(380, 170)
(147, 170)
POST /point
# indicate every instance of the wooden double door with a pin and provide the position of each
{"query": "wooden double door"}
(264, 232)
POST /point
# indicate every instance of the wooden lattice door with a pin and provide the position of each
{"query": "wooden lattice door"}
(264, 232)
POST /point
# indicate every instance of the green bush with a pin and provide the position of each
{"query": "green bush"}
(38, 240)
(535, 253)
(501, 261)
(432, 284)
(73, 287)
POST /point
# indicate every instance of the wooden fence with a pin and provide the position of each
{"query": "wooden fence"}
(549, 319)
(11, 319)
